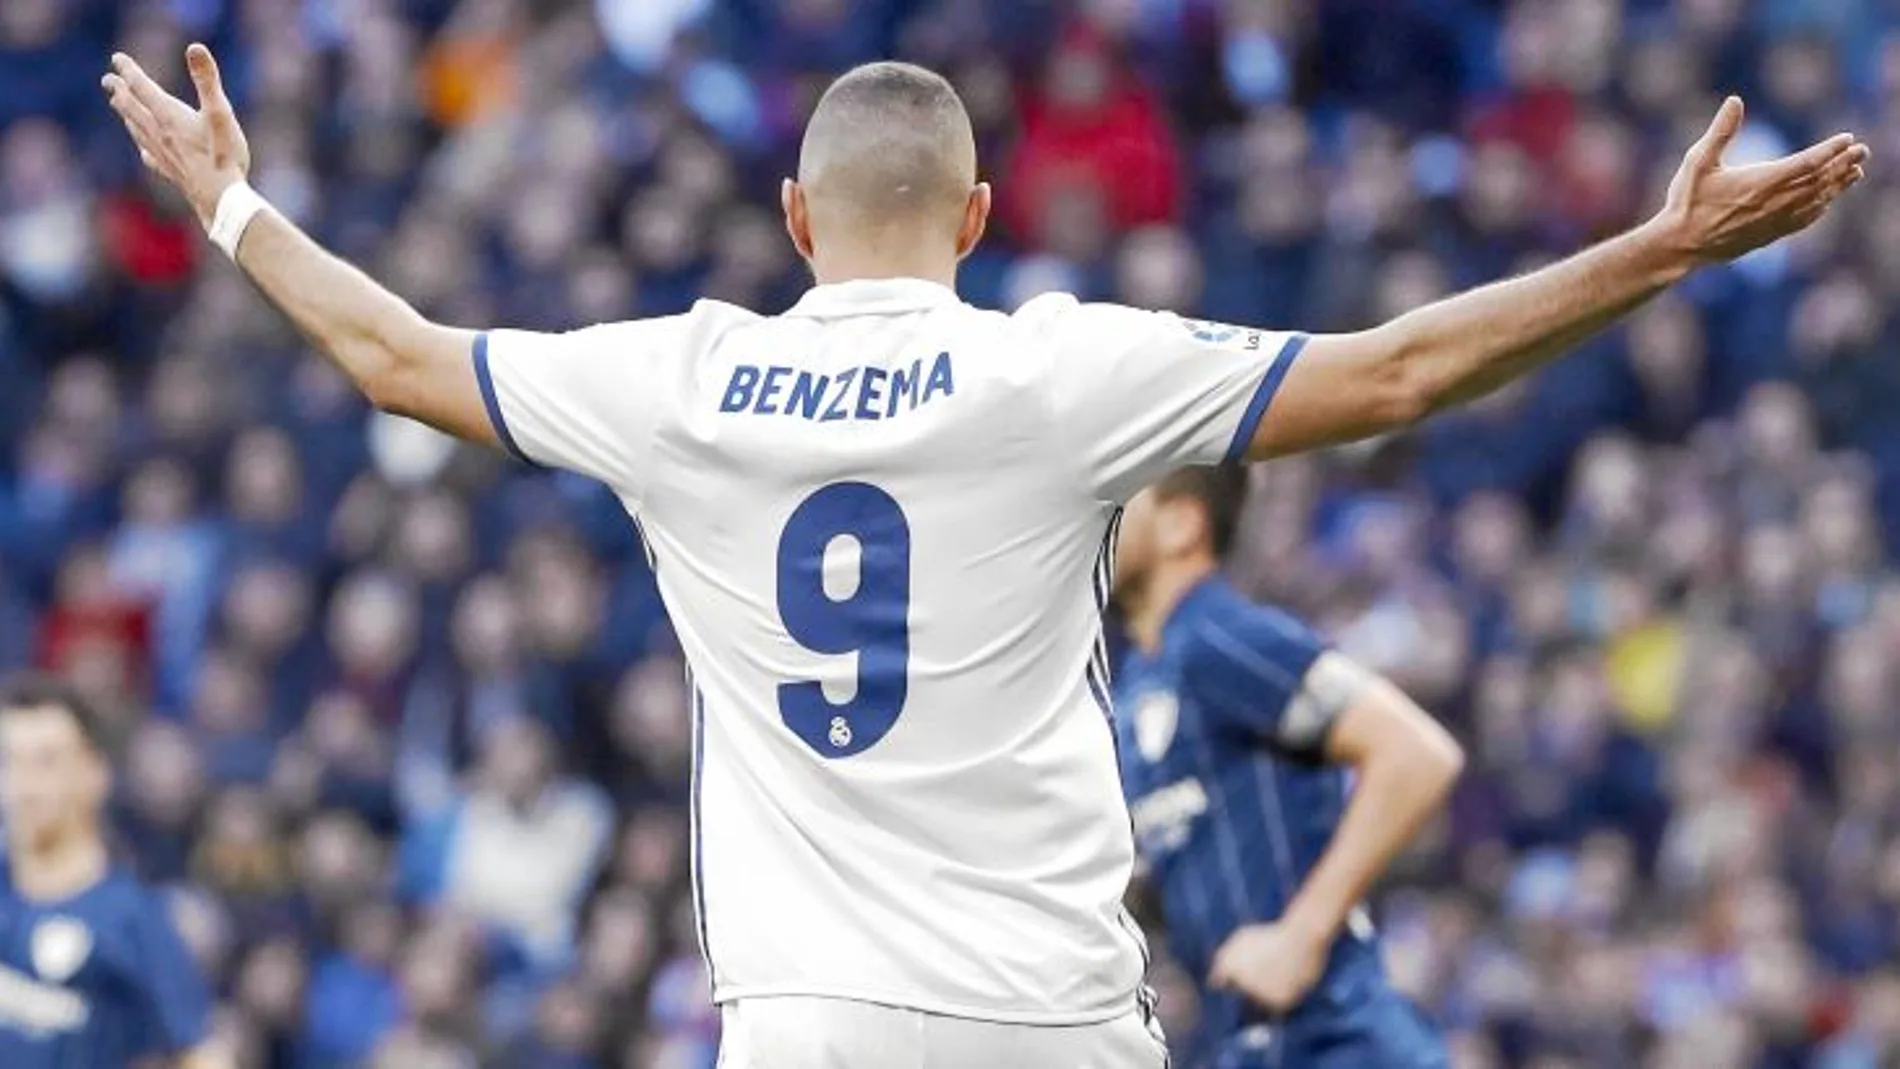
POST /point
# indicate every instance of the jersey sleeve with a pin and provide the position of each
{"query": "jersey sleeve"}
(1253, 673)
(174, 1004)
(1138, 394)
(586, 400)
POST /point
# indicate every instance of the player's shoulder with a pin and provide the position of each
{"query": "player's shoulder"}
(1066, 336)
(122, 893)
(1228, 632)
(113, 911)
(712, 312)
(706, 319)
(1067, 313)
(1045, 306)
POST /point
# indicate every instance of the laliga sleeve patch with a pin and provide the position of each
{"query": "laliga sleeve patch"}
(1223, 335)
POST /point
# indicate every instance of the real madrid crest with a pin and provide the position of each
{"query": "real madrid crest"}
(60, 946)
(1156, 715)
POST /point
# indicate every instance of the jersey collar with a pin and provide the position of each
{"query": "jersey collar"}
(872, 296)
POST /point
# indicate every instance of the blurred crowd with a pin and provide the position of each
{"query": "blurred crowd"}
(403, 724)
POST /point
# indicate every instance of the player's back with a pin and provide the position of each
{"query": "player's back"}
(878, 556)
(881, 524)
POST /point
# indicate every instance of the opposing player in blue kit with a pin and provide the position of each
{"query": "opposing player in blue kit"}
(1271, 781)
(93, 975)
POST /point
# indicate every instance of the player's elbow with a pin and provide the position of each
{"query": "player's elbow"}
(1418, 756)
(1436, 760)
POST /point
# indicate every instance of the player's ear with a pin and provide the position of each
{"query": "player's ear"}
(797, 216)
(976, 219)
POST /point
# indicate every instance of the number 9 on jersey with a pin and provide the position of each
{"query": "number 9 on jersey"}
(871, 621)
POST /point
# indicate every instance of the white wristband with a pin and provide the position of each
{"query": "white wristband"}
(237, 206)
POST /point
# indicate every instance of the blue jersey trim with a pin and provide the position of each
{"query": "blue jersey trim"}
(486, 380)
(1263, 396)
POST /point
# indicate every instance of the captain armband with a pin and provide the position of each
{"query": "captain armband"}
(1331, 686)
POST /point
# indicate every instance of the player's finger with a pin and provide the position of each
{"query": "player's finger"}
(1708, 149)
(1851, 163)
(161, 104)
(1841, 165)
(206, 79)
(138, 119)
(1814, 159)
(1843, 180)
(1837, 174)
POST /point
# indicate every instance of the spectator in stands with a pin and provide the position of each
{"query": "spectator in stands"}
(518, 850)
(1091, 133)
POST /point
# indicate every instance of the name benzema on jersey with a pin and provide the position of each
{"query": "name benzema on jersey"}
(859, 393)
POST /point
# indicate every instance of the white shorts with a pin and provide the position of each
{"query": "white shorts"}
(797, 1032)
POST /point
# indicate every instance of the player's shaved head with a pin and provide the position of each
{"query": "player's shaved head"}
(889, 143)
(889, 157)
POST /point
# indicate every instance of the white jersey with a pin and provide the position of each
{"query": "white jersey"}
(882, 524)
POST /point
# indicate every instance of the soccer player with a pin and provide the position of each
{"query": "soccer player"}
(92, 971)
(1236, 728)
(881, 527)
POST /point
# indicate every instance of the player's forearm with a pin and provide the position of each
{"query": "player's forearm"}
(1464, 347)
(362, 327)
(1398, 785)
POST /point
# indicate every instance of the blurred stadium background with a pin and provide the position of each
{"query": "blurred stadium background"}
(404, 726)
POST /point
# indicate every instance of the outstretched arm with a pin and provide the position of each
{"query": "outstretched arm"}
(1403, 764)
(1351, 386)
(403, 362)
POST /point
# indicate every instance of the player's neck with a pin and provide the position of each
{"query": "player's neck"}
(60, 868)
(1161, 591)
(852, 265)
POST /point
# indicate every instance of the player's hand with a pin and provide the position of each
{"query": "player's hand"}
(1715, 213)
(201, 151)
(1274, 965)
